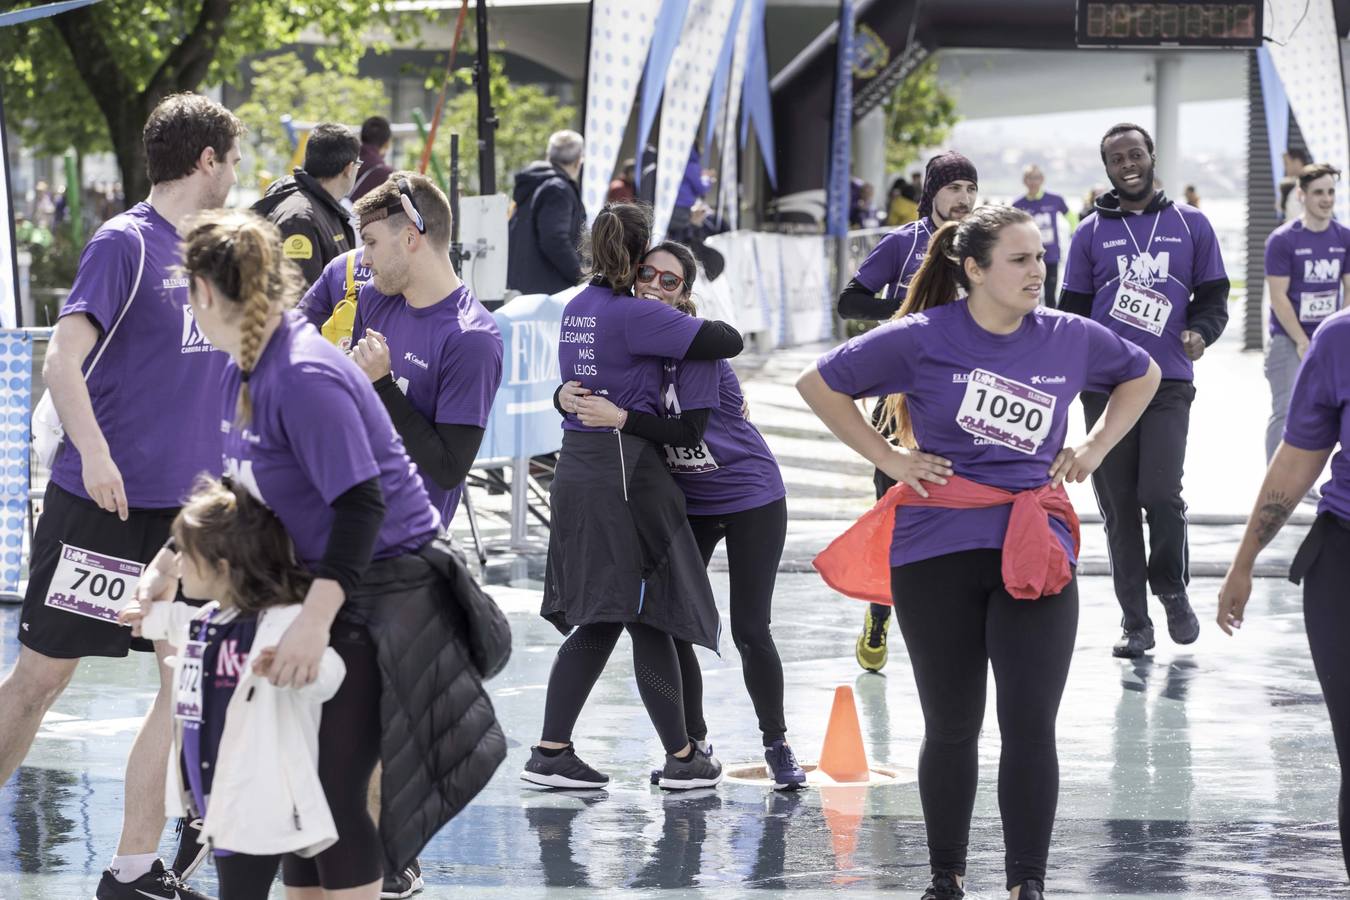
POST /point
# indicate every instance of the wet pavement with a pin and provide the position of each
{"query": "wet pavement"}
(1205, 772)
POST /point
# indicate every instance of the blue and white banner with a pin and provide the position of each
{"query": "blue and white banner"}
(1306, 52)
(841, 128)
(756, 106)
(669, 27)
(717, 100)
(621, 34)
(523, 422)
(9, 265)
(16, 377)
(1276, 104)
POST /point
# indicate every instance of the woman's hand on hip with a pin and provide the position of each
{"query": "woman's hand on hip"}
(913, 467)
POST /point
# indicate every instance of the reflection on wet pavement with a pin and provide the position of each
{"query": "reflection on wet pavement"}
(1198, 772)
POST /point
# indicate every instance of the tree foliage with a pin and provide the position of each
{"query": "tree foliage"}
(526, 114)
(88, 78)
(919, 114)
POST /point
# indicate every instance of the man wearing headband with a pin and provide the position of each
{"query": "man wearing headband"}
(307, 206)
(876, 292)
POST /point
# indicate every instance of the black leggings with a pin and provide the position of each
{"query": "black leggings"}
(957, 618)
(754, 546)
(349, 747)
(581, 659)
(1327, 620)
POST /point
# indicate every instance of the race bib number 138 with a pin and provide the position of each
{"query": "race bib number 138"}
(91, 584)
(690, 460)
(1006, 412)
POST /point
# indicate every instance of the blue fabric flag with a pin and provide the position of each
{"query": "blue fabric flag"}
(1276, 102)
(756, 106)
(720, 77)
(669, 25)
(841, 128)
(42, 12)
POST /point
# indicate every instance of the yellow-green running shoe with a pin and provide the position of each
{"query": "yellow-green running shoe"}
(871, 648)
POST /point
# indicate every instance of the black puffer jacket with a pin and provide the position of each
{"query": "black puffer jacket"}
(542, 255)
(440, 742)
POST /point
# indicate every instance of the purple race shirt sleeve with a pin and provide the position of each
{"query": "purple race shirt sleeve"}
(1314, 419)
(882, 266)
(1207, 261)
(880, 362)
(469, 379)
(1078, 266)
(654, 329)
(1060, 206)
(324, 294)
(103, 281)
(1279, 261)
(698, 383)
(335, 458)
(1111, 359)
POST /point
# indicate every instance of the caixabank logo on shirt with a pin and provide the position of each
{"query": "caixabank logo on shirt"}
(1321, 271)
(1145, 269)
(193, 339)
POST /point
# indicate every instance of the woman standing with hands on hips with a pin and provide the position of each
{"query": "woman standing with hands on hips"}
(978, 537)
(304, 432)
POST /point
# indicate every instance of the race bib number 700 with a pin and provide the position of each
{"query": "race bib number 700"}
(1006, 412)
(92, 584)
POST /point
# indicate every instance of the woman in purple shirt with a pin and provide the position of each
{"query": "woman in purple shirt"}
(621, 555)
(1316, 423)
(984, 389)
(732, 490)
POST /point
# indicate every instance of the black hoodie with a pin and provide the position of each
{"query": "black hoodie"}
(1206, 314)
(315, 229)
(543, 256)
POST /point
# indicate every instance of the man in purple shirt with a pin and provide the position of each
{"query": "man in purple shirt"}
(124, 467)
(1149, 270)
(432, 351)
(1046, 208)
(1305, 270)
(950, 189)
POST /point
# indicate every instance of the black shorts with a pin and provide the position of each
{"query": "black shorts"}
(69, 519)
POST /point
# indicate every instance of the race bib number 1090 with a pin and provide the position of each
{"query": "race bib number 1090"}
(91, 584)
(1006, 412)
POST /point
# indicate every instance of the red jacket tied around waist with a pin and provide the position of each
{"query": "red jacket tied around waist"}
(857, 563)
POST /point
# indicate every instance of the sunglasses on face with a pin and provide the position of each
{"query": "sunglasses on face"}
(668, 281)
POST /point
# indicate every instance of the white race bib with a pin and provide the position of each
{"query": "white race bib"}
(1141, 307)
(1006, 412)
(1314, 306)
(690, 460)
(1046, 223)
(91, 584)
(187, 695)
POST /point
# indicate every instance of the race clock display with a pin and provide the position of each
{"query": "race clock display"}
(1181, 23)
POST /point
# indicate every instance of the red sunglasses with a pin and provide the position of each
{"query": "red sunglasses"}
(669, 281)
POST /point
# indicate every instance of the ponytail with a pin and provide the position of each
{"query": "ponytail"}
(254, 254)
(617, 241)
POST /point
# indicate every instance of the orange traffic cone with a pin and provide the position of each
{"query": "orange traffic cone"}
(843, 757)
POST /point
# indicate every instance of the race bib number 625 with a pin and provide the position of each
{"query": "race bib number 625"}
(1006, 412)
(92, 584)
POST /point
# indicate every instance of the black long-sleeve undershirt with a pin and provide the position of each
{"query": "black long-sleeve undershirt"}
(358, 515)
(684, 430)
(858, 301)
(715, 340)
(445, 452)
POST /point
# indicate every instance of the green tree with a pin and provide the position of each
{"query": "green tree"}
(281, 84)
(89, 78)
(526, 114)
(920, 113)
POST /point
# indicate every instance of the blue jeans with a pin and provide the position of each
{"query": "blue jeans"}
(1281, 368)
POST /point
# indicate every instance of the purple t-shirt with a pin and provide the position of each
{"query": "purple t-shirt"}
(995, 405)
(331, 287)
(157, 360)
(318, 430)
(733, 469)
(1141, 270)
(1317, 409)
(446, 358)
(1043, 210)
(892, 263)
(614, 345)
(1313, 261)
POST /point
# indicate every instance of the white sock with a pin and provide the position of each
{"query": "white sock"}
(702, 746)
(127, 869)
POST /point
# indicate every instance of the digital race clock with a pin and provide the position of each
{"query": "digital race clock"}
(1183, 23)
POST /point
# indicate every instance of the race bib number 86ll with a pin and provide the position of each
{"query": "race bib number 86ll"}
(91, 584)
(1141, 307)
(1006, 412)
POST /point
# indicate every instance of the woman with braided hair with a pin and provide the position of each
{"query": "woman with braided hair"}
(304, 432)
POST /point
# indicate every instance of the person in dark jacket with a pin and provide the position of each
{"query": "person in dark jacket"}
(307, 205)
(376, 139)
(542, 256)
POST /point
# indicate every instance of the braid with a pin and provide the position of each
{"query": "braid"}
(254, 255)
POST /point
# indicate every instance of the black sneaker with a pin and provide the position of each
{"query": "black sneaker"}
(704, 747)
(944, 887)
(783, 768)
(565, 770)
(1134, 644)
(698, 771)
(1182, 624)
(191, 851)
(158, 883)
(1032, 889)
(404, 884)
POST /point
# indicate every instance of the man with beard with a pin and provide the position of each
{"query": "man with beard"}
(950, 189)
(1150, 270)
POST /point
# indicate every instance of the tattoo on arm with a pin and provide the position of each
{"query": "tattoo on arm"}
(1275, 509)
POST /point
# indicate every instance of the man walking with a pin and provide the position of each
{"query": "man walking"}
(1045, 208)
(542, 254)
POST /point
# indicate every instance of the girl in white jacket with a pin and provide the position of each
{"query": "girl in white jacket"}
(246, 752)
